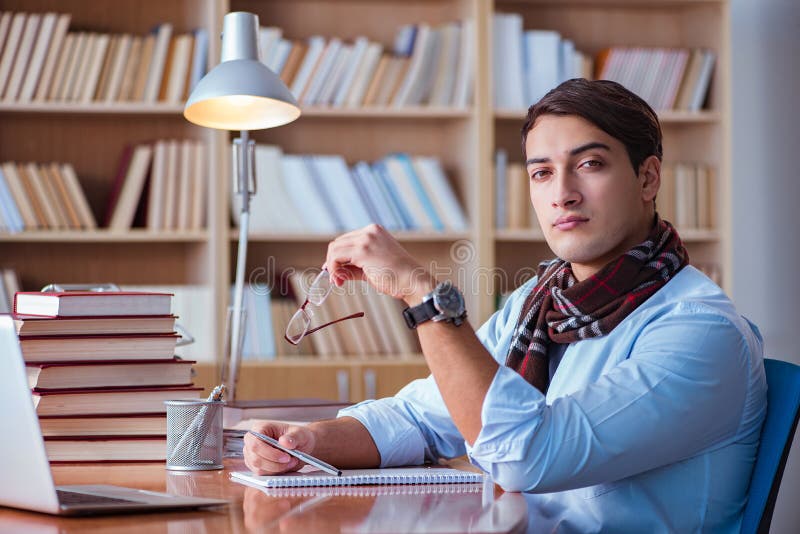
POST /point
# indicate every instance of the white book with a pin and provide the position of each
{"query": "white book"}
(23, 57)
(445, 75)
(392, 196)
(346, 199)
(156, 71)
(10, 49)
(170, 205)
(322, 72)
(89, 86)
(185, 186)
(328, 90)
(421, 93)
(413, 77)
(197, 219)
(435, 181)
(543, 48)
(53, 53)
(271, 207)
(354, 62)
(78, 196)
(268, 36)
(179, 68)
(305, 196)
(366, 182)
(117, 68)
(5, 23)
(512, 37)
(407, 195)
(158, 186)
(701, 88)
(131, 193)
(63, 91)
(280, 54)
(38, 56)
(565, 60)
(13, 218)
(316, 46)
(366, 71)
(465, 72)
(20, 194)
(199, 58)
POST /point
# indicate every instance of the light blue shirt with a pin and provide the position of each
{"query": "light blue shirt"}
(652, 428)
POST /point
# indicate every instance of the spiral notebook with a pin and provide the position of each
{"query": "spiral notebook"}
(361, 477)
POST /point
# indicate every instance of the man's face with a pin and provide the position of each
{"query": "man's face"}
(590, 203)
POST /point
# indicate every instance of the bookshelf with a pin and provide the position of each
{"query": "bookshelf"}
(92, 135)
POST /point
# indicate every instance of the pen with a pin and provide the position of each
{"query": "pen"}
(307, 458)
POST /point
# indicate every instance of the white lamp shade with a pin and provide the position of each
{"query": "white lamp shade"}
(241, 93)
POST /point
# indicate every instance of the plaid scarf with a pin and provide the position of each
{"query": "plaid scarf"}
(560, 309)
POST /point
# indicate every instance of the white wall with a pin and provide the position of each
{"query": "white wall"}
(765, 38)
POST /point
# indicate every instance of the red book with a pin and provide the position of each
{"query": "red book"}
(45, 376)
(31, 325)
(95, 348)
(106, 448)
(130, 424)
(110, 401)
(91, 303)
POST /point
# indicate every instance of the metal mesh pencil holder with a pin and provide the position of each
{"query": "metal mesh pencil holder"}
(194, 435)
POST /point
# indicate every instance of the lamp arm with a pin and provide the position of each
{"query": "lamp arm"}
(246, 181)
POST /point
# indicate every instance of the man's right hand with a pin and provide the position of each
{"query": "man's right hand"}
(263, 459)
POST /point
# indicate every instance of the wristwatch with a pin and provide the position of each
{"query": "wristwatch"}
(444, 303)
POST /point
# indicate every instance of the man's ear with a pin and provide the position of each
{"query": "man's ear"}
(650, 177)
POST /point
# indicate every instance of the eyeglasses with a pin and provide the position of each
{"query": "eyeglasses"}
(319, 290)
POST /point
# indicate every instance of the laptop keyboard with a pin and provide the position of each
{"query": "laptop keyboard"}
(71, 497)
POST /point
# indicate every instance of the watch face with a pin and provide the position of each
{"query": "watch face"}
(448, 300)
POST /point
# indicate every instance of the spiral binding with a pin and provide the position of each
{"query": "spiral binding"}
(372, 491)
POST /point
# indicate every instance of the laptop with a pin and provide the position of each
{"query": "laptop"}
(27, 480)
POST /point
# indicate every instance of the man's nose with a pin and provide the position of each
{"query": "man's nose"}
(566, 193)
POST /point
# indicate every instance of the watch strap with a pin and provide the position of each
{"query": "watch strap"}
(415, 315)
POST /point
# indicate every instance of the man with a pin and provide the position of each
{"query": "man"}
(619, 387)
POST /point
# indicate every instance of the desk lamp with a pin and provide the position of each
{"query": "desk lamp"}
(242, 94)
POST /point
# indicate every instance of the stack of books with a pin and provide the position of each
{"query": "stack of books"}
(100, 366)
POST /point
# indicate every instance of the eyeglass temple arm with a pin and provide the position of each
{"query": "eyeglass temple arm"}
(320, 327)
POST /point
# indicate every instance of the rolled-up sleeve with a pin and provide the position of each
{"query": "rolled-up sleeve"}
(679, 392)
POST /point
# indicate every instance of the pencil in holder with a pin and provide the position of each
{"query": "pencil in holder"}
(194, 435)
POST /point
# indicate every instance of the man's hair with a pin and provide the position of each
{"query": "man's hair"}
(609, 106)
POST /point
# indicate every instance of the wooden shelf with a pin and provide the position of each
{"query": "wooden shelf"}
(117, 108)
(420, 112)
(317, 361)
(405, 237)
(536, 236)
(666, 117)
(104, 236)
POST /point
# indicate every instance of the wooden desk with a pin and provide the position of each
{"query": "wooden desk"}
(251, 510)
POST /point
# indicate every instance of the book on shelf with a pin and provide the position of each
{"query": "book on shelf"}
(98, 347)
(687, 197)
(41, 87)
(33, 325)
(117, 401)
(91, 303)
(128, 188)
(106, 374)
(12, 42)
(106, 448)
(104, 425)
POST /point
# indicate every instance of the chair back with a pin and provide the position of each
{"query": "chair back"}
(783, 409)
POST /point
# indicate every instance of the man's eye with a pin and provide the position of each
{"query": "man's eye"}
(539, 175)
(591, 163)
